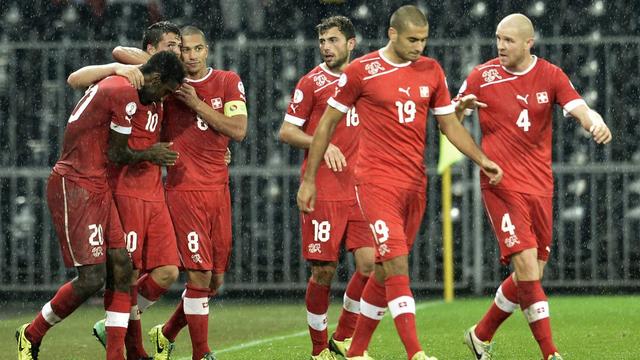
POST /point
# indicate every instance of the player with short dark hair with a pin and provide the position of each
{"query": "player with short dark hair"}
(336, 218)
(515, 94)
(392, 89)
(81, 203)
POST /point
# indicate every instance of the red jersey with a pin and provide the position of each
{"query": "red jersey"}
(201, 163)
(308, 103)
(142, 180)
(108, 104)
(516, 124)
(392, 101)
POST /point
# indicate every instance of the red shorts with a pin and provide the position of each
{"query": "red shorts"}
(328, 225)
(394, 215)
(150, 238)
(80, 218)
(202, 220)
(513, 216)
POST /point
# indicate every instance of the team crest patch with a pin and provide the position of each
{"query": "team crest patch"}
(131, 108)
(491, 75)
(542, 97)
(320, 80)
(97, 252)
(511, 241)
(342, 81)
(373, 68)
(314, 248)
(196, 258)
(216, 103)
(241, 87)
(383, 249)
(424, 91)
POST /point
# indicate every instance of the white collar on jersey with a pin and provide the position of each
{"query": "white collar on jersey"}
(202, 78)
(531, 66)
(381, 52)
(326, 69)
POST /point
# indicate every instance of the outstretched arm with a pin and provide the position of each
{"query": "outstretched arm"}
(130, 55)
(319, 144)
(460, 138)
(593, 123)
(89, 75)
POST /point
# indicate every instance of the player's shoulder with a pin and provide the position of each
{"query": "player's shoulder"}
(426, 63)
(493, 64)
(225, 75)
(546, 65)
(365, 60)
(117, 87)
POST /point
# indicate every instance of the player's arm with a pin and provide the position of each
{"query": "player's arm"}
(89, 75)
(234, 126)
(466, 104)
(120, 152)
(593, 123)
(324, 131)
(296, 137)
(130, 55)
(460, 138)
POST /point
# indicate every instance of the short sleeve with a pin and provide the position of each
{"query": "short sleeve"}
(123, 106)
(234, 96)
(301, 104)
(440, 101)
(565, 94)
(348, 89)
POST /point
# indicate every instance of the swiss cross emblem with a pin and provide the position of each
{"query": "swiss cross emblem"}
(542, 97)
(216, 103)
(373, 68)
(424, 91)
(320, 80)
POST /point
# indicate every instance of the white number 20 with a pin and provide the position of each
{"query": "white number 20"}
(96, 238)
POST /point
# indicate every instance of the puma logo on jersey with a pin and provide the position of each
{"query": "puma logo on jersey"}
(523, 98)
(294, 108)
(406, 91)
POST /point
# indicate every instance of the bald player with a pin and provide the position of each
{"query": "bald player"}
(392, 89)
(514, 94)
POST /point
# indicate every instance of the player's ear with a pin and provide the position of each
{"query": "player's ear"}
(351, 44)
(151, 49)
(393, 34)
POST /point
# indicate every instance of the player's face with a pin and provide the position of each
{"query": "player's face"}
(194, 54)
(410, 42)
(155, 90)
(335, 48)
(169, 42)
(513, 48)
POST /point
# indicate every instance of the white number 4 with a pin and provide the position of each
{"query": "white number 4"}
(507, 226)
(523, 120)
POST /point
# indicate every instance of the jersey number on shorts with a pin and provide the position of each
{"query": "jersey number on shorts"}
(406, 111)
(96, 238)
(321, 230)
(132, 241)
(523, 120)
(193, 242)
(380, 230)
(83, 103)
(507, 226)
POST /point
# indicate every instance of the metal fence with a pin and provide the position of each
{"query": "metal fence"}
(597, 198)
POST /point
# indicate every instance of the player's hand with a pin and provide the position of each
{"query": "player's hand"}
(492, 170)
(132, 73)
(469, 102)
(334, 158)
(187, 94)
(161, 154)
(306, 196)
(599, 130)
(227, 157)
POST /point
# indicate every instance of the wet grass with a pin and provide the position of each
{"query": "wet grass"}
(593, 327)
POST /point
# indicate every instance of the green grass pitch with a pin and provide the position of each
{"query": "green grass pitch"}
(588, 327)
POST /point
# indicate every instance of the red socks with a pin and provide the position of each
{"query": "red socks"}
(317, 300)
(373, 306)
(176, 322)
(505, 303)
(535, 307)
(62, 305)
(350, 307)
(196, 311)
(403, 310)
(117, 305)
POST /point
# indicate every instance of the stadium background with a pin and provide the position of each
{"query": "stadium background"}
(271, 44)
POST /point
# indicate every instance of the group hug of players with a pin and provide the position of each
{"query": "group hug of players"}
(363, 125)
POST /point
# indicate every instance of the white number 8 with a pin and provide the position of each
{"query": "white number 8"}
(192, 242)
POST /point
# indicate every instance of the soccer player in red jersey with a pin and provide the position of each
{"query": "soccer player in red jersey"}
(81, 203)
(515, 94)
(336, 217)
(392, 90)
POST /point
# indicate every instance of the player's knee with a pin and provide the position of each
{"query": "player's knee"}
(323, 275)
(217, 280)
(122, 268)
(365, 267)
(165, 275)
(90, 279)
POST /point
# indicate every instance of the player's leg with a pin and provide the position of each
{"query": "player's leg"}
(317, 303)
(359, 241)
